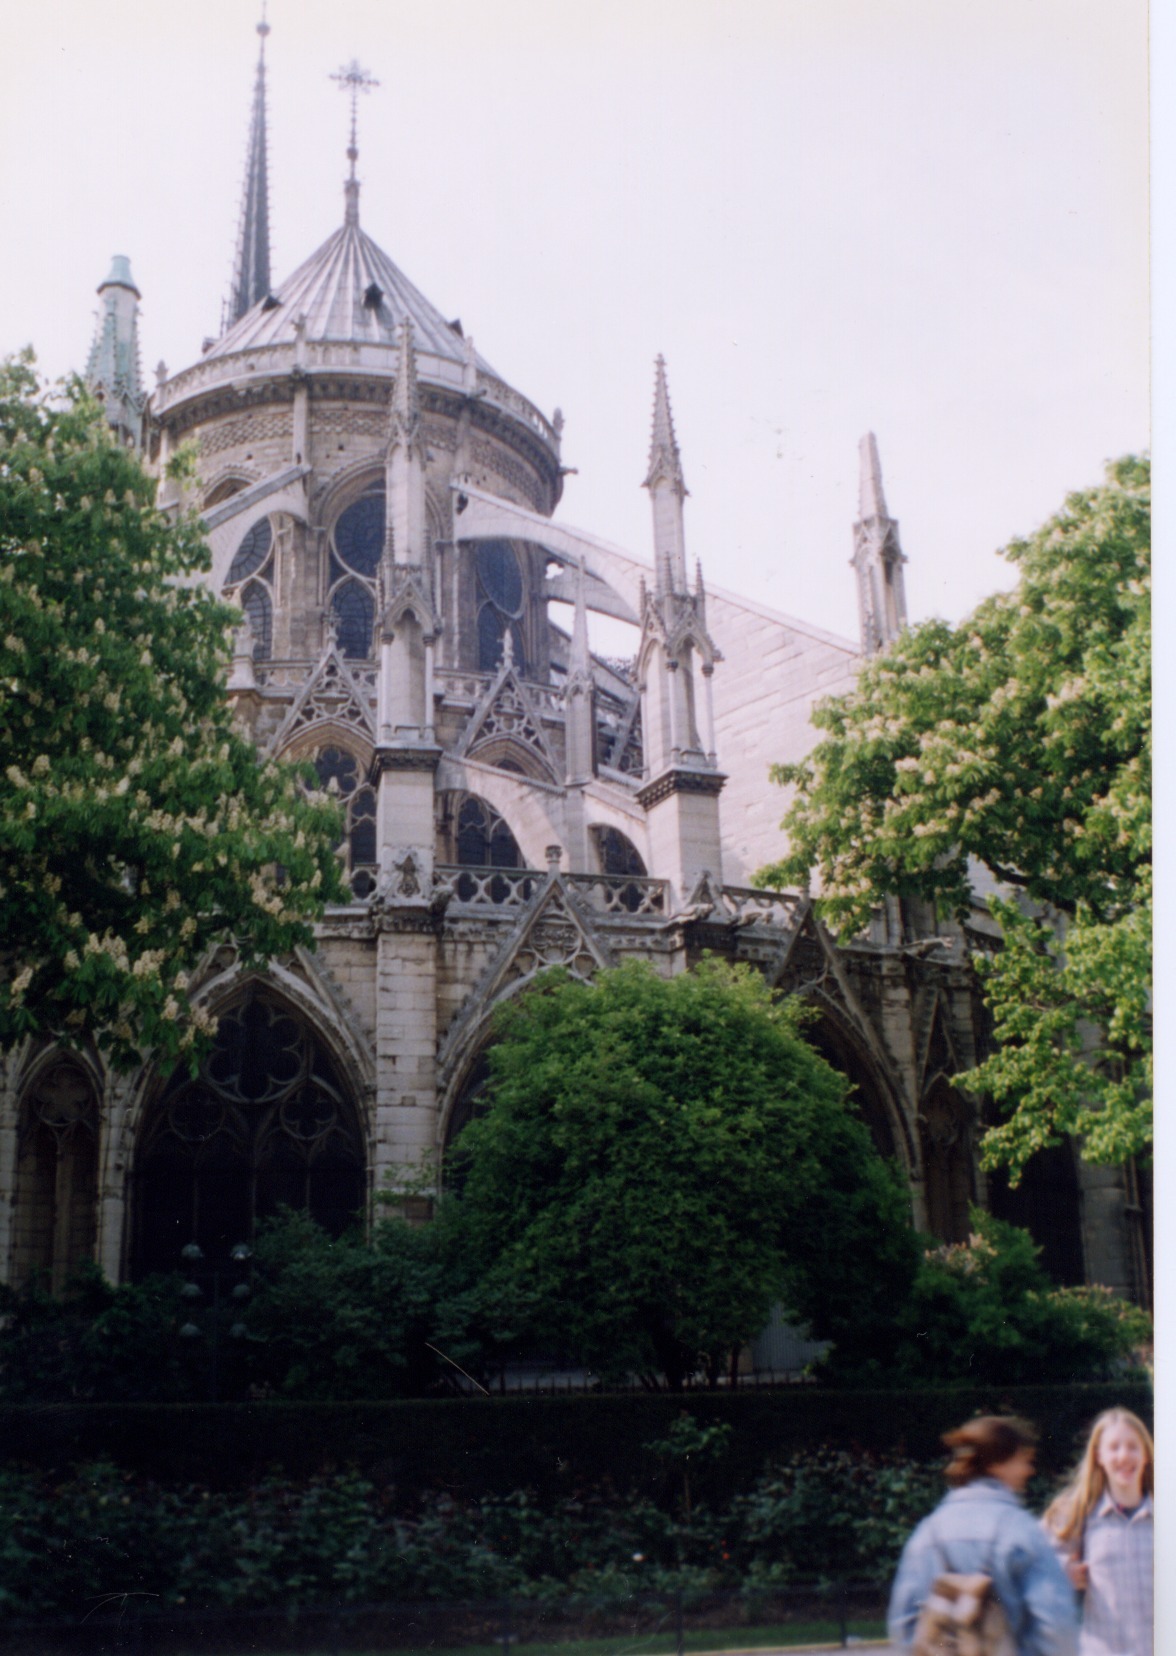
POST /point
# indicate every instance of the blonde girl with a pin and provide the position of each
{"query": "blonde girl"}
(1103, 1526)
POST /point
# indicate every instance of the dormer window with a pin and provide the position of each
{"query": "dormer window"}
(373, 296)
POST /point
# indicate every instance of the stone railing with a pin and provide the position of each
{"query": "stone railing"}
(461, 686)
(499, 888)
(260, 362)
(622, 894)
(627, 896)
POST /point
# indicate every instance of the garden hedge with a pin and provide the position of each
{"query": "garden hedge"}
(474, 1446)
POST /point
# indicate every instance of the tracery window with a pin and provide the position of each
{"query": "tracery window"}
(619, 856)
(500, 604)
(358, 845)
(357, 543)
(56, 1196)
(483, 838)
(250, 584)
(265, 1123)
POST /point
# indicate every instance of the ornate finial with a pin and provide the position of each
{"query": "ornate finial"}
(665, 461)
(355, 80)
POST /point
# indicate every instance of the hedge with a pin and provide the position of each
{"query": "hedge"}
(475, 1446)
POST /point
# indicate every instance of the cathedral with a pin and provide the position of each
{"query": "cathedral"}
(382, 505)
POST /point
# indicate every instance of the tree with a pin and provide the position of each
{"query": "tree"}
(1019, 740)
(138, 827)
(661, 1161)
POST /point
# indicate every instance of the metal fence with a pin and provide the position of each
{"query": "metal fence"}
(604, 1624)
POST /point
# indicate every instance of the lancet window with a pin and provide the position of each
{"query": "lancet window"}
(341, 769)
(56, 1194)
(250, 584)
(265, 1123)
(501, 598)
(357, 544)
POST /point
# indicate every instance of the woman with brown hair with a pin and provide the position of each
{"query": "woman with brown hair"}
(980, 1528)
(1103, 1525)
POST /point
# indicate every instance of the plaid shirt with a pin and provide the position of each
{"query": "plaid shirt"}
(1118, 1608)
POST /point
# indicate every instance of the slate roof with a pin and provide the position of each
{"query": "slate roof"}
(349, 290)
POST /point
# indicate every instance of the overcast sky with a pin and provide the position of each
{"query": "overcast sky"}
(924, 219)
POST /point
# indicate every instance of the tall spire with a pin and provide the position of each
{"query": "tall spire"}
(667, 489)
(251, 266)
(871, 500)
(877, 557)
(112, 368)
(354, 80)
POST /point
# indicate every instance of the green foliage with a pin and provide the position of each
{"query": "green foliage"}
(984, 1310)
(95, 1341)
(348, 1318)
(1020, 739)
(70, 1541)
(138, 827)
(664, 1159)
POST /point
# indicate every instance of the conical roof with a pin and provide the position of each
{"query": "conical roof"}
(347, 290)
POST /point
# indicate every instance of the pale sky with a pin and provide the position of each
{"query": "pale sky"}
(927, 218)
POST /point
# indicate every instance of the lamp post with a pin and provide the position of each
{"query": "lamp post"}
(192, 1294)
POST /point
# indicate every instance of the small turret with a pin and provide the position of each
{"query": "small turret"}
(877, 558)
(112, 368)
(251, 263)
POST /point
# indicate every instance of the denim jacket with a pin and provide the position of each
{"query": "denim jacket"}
(984, 1528)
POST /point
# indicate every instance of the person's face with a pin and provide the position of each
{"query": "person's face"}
(1018, 1469)
(1123, 1458)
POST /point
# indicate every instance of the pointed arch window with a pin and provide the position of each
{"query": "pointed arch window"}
(484, 839)
(250, 584)
(500, 604)
(356, 546)
(619, 857)
(340, 768)
(265, 1123)
(56, 1187)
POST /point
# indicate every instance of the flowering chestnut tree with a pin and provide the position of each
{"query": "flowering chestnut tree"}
(138, 826)
(1019, 740)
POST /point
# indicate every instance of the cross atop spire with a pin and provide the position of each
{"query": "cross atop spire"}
(354, 79)
(665, 461)
(251, 265)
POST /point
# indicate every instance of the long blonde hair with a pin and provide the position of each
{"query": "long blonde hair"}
(1067, 1514)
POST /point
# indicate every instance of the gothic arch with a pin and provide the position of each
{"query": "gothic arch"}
(55, 1193)
(474, 834)
(459, 1103)
(945, 1143)
(223, 485)
(268, 1120)
(363, 476)
(830, 1035)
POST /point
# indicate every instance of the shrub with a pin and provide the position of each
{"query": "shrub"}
(984, 1311)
